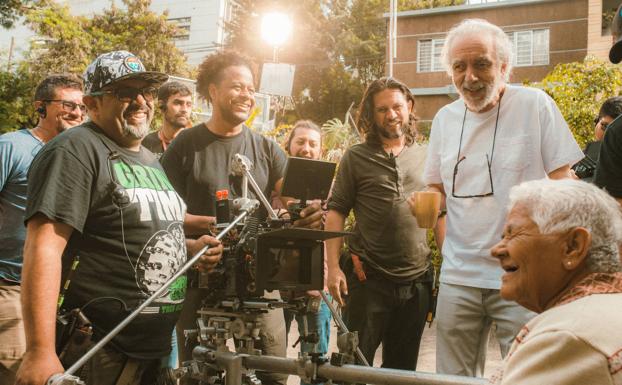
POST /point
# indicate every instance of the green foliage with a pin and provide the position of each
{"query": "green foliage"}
(420, 4)
(72, 42)
(579, 89)
(10, 10)
(337, 136)
(16, 101)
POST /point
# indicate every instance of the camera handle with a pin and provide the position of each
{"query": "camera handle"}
(344, 329)
(242, 166)
(247, 206)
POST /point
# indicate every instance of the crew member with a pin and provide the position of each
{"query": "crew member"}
(198, 163)
(58, 101)
(492, 138)
(175, 102)
(101, 210)
(387, 273)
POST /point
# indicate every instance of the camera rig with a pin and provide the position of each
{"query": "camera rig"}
(268, 255)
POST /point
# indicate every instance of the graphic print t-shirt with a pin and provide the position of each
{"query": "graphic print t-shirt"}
(126, 253)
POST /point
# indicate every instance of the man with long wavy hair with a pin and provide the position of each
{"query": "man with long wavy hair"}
(387, 274)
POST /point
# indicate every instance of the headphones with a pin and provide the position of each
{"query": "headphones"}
(118, 193)
(42, 111)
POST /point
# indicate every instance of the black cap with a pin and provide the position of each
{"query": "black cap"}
(615, 53)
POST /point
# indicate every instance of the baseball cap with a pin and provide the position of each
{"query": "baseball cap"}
(615, 53)
(115, 66)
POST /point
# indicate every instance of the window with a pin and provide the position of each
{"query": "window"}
(429, 55)
(183, 27)
(530, 48)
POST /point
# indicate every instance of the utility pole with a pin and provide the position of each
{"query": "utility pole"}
(8, 63)
(392, 34)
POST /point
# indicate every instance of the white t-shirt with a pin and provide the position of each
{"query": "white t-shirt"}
(532, 139)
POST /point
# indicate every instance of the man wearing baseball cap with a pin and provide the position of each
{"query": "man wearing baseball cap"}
(104, 229)
(609, 170)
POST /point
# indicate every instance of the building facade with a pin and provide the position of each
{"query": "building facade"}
(544, 33)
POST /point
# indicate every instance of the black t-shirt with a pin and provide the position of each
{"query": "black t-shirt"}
(609, 170)
(153, 143)
(198, 163)
(127, 252)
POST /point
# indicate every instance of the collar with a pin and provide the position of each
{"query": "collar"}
(596, 283)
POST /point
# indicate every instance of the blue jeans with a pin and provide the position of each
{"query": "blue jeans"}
(316, 322)
(170, 361)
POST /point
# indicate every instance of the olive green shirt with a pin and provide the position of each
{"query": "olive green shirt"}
(376, 185)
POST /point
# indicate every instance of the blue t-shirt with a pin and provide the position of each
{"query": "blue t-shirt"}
(17, 150)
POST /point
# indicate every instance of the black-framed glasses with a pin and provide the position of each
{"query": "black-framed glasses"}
(67, 105)
(453, 184)
(459, 159)
(129, 94)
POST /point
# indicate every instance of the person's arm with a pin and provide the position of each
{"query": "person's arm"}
(41, 274)
(335, 221)
(546, 359)
(439, 229)
(210, 257)
(562, 173)
(199, 224)
(310, 216)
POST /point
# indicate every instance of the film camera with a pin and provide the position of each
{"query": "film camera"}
(270, 254)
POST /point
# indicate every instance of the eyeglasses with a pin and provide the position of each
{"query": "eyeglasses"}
(603, 125)
(67, 105)
(453, 185)
(488, 160)
(129, 94)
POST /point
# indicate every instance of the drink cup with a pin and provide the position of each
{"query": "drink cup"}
(427, 205)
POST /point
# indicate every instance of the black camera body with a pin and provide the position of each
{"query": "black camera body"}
(269, 256)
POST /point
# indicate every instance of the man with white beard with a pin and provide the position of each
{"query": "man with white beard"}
(494, 137)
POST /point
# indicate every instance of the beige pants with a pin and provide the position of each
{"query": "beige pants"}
(12, 338)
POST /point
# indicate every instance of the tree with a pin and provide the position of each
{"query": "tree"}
(10, 10)
(579, 89)
(72, 42)
(16, 109)
(338, 47)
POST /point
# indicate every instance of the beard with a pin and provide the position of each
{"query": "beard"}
(177, 122)
(137, 131)
(231, 117)
(390, 134)
(492, 90)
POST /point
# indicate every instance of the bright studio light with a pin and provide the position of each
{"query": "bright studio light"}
(275, 28)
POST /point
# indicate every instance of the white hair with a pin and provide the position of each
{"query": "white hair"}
(561, 205)
(480, 27)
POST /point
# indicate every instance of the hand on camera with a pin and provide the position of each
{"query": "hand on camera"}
(211, 256)
(337, 285)
(37, 366)
(311, 216)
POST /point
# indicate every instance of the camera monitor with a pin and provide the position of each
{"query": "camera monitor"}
(308, 178)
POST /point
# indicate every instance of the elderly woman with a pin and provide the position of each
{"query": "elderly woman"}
(560, 255)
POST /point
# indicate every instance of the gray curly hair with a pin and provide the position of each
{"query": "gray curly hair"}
(560, 205)
(480, 27)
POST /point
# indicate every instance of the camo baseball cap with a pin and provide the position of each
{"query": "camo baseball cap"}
(615, 53)
(115, 66)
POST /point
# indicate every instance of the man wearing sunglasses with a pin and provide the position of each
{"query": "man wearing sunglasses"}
(494, 137)
(609, 168)
(105, 230)
(58, 101)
